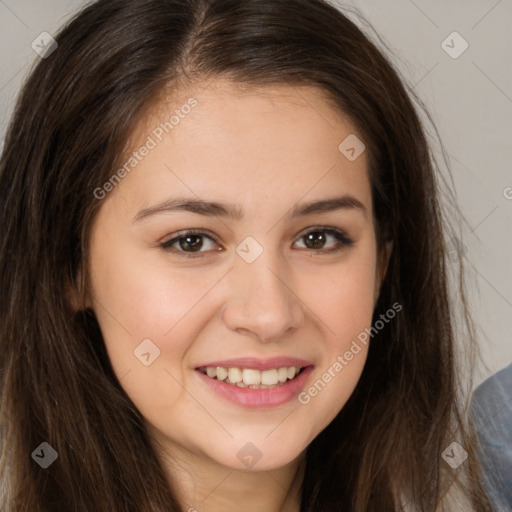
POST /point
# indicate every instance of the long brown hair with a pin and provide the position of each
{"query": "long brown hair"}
(73, 118)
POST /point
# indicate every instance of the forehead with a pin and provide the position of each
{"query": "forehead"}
(232, 140)
(263, 113)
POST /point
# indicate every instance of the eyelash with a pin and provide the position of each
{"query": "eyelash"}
(340, 236)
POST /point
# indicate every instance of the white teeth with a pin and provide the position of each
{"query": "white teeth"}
(269, 377)
(282, 374)
(222, 373)
(251, 378)
(235, 375)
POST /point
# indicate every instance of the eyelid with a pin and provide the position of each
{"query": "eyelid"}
(167, 245)
(339, 234)
(328, 229)
(191, 231)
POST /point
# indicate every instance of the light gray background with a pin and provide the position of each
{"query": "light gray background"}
(470, 98)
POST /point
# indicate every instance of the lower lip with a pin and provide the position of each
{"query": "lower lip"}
(258, 398)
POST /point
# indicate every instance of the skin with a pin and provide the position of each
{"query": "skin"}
(267, 150)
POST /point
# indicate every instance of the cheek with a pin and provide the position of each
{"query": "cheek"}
(142, 312)
(345, 306)
(343, 297)
(138, 300)
(333, 385)
(146, 298)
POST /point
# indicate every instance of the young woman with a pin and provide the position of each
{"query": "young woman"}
(223, 270)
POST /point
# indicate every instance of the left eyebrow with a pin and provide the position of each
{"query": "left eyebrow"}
(234, 211)
(345, 202)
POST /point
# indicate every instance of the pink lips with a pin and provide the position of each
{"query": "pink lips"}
(258, 398)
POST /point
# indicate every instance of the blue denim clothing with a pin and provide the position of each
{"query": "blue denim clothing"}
(491, 413)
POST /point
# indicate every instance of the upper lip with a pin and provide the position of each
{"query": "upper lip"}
(258, 364)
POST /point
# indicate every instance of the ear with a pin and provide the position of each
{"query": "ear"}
(73, 298)
(74, 294)
(382, 268)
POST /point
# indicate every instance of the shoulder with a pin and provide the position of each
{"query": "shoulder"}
(496, 381)
(491, 415)
(493, 399)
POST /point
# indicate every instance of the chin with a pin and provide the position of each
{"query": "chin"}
(255, 457)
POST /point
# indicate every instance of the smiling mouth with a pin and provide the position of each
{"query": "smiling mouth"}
(252, 378)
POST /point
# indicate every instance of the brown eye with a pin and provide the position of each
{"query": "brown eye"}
(315, 240)
(192, 242)
(188, 243)
(318, 238)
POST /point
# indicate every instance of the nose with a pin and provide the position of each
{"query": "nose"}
(263, 301)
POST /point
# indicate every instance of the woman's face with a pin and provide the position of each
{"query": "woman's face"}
(282, 274)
